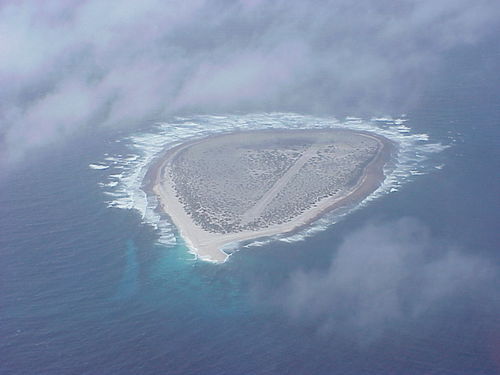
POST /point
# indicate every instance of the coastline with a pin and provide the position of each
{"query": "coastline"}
(208, 246)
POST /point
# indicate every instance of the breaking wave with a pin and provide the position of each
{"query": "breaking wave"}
(123, 190)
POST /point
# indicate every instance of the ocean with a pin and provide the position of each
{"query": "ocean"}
(94, 281)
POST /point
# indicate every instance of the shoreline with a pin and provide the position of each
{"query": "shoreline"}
(208, 246)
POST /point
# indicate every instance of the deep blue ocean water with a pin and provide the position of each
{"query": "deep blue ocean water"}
(87, 289)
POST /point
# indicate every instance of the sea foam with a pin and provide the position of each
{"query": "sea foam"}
(123, 183)
(98, 166)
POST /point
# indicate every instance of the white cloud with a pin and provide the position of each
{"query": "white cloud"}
(382, 275)
(136, 59)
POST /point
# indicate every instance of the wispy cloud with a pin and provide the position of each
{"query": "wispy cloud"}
(382, 275)
(65, 66)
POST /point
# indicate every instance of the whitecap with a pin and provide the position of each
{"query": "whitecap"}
(382, 119)
(98, 166)
(412, 158)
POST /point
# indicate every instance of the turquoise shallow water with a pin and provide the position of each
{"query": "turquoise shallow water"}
(88, 289)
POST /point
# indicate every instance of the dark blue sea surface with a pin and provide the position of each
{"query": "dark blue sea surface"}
(87, 289)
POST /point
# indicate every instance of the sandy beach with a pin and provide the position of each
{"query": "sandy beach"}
(208, 245)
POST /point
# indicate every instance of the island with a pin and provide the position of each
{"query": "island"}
(229, 188)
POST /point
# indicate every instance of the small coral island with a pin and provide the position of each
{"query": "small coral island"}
(235, 187)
